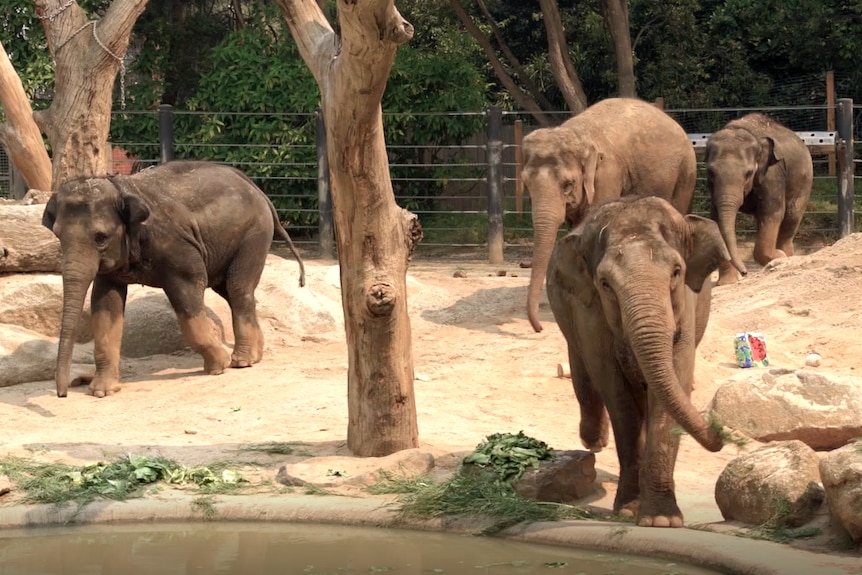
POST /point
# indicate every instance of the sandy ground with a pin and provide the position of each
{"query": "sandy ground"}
(480, 369)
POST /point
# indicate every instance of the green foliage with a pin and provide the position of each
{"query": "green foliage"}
(121, 479)
(509, 455)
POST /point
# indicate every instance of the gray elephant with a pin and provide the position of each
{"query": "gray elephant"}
(606, 151)
(756, 166)
(630, 291)
(181, 226)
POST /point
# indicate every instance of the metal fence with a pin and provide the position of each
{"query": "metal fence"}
(467, 194)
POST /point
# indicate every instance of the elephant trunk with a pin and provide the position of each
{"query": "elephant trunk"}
(77, 278)
(649, 322)
(725, 216)
(546, 222)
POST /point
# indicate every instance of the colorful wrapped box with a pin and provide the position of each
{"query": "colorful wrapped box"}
(751, 350)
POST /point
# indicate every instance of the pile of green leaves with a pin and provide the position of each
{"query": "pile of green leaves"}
(126, 477)
(510, 455)
(490, 497)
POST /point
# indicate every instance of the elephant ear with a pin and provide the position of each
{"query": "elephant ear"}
(49, 216)
(706, 250)
(769, 153)
(571, 269)
(590, 164)
(133, 209)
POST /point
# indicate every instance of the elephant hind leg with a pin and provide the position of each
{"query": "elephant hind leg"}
(187, 299)
(240, 282)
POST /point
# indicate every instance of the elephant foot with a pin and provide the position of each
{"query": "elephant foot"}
(241, 361)
(103, 387)
(660, 512)
(731, 277)
(215, 364)
(660, 521)
(594, 431)
(630, 509)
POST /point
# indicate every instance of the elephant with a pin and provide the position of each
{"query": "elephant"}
(630, 290)
(756, 166)
(606, 151)
(182, 226)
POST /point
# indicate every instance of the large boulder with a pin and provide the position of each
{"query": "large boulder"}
(35, 301)
(568, 477)
(823, 411)
(841, 474)
(26, 355)
(776, 485)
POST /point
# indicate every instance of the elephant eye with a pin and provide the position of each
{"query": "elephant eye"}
(677, 272)
(100, 238)
(605, 285)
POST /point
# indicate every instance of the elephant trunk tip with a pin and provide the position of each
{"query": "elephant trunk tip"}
(537, 325)
(737, 263)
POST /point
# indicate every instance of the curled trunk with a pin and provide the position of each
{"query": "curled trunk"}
(649, 322)
(76, 282)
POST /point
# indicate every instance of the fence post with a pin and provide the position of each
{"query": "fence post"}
(844, 153)
(166, 132)
(324, 197)
(495, 185)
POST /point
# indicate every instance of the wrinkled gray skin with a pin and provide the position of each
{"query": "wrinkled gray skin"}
(758, 167)
(181, 226)
(611, 149)
(630, 291)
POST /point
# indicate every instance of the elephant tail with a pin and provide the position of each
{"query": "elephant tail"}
(282, 233)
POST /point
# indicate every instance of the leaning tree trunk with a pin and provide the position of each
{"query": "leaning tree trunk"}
(20, 134)
(87, 54)
(616, 15)
(25, 244)
(375, 237)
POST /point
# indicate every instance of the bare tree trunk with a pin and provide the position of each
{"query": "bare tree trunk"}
(25, 244)
(20, 134)
(87, 54)
(616, 15)
(375, 237)
(518, 95)
(562, 66)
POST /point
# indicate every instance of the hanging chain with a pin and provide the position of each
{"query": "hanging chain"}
(53, 15)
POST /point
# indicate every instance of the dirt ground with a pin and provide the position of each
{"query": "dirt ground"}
(480, 369)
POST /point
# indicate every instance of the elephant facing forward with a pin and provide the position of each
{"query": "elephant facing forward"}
(609, 150)
(183, 227)
(630, 291)
(756, 166)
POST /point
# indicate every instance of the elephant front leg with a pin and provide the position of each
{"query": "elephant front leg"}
(594, 426)
(248, 345)
(658, 506)
(625, 407)
(108, 304)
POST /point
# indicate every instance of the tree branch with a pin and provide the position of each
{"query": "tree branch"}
(314, 37)
(562, 66)
(513, 60)
(521, 98)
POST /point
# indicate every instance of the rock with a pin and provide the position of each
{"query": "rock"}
(5, 486)
(35, 302)
(823, 411)
(26, 355)
(501, 273)
(335, 471)
(778, 485)
(841, 474)
(570, 476)
(525, 264)
(812, 360)
(459, 274)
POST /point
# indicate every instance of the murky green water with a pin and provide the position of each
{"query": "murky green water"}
(296, 549)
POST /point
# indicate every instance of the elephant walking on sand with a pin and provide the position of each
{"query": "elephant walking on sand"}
(609, 150)
(630, 291)
(181, 226)
(756, 166)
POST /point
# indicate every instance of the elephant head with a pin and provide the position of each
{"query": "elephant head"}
(98, 225)
(559, 173)
(639, 264)
(736, 160)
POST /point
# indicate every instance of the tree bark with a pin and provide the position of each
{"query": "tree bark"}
(27, 246)
(87, 55)
(562, 66)
(616, 15)
(375, 237)
(20, 134)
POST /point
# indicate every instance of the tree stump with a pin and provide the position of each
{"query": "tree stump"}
(26, 246)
